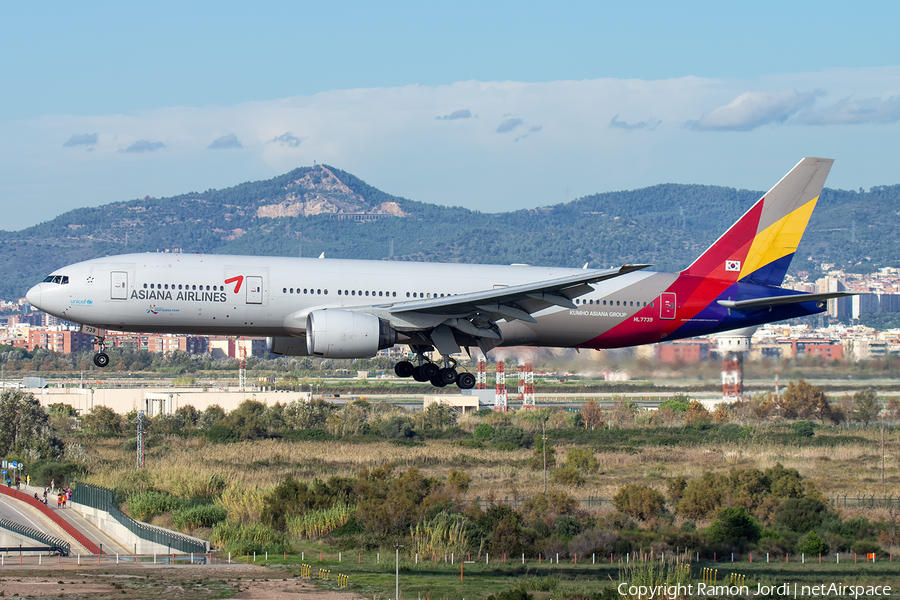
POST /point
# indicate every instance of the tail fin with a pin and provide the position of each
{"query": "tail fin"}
(760, 246)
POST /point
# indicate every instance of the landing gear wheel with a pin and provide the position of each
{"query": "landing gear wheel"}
(448, 375)
(465, 381)
(404, 369)
(429, 370)
(436, 381)
(418, 376)
(101, 360)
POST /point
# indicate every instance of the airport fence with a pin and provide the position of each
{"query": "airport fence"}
(55, 545)
(865, 501)
(103, 499)
(519, 502)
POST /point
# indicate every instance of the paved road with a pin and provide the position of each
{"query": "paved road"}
(28, 516)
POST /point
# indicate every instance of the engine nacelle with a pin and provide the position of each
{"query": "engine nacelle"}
(347, 334)
(287, 346)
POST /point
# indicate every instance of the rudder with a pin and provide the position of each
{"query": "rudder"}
(760, 246)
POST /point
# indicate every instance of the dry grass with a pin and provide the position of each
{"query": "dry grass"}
(186, 467)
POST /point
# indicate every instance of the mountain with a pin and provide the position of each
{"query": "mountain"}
(323, 209)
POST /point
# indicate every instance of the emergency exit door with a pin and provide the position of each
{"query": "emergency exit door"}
(118, 289)
(254, 290)
(667, 305)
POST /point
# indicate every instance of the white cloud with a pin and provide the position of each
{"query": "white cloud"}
(391, 138)
(141, 146)
(854, 112)
(225, 142)
(753, 109)
(81, 139)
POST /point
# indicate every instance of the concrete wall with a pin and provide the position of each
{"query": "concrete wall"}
(123, 400)
(113, 528)
(8, 538)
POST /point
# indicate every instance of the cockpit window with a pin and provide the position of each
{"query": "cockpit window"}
(61, 279)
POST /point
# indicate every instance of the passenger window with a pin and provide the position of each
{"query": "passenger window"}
(380, 294)
(339, 292)
(145, 286)
(152, 286)
(354, 292)
(284, 291)
(367, 292)
(395, 294)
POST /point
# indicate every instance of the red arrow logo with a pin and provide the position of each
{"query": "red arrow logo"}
(237, 280)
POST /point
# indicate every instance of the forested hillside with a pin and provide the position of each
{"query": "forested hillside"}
(666, 225)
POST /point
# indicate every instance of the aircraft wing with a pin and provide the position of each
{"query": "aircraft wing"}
(475, 314)
(757, 303)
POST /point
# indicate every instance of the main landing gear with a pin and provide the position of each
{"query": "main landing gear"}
(429, 371)
(101, 359)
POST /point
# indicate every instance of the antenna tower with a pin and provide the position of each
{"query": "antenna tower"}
(242, 366)
(481, 377)
(140, 439)
(500, 397)
(527, 385)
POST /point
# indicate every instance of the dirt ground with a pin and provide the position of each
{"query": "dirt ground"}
(154, 582)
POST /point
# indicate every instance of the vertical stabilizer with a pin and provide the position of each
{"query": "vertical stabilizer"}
(760, 246)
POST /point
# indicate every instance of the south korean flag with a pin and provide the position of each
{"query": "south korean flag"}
(733, 265)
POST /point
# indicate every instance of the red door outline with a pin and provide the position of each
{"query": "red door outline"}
(667, 305)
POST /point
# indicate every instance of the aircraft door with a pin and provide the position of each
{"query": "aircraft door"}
(254, 289)
(667, 305)
(118, 285)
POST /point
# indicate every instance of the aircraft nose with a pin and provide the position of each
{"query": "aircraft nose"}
(34, 296)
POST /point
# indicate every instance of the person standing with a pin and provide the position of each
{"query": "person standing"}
(52, 485)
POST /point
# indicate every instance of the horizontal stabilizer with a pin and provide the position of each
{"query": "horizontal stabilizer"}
(758, 303)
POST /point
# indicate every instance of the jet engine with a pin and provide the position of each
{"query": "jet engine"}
(347, 334)
(287, 346)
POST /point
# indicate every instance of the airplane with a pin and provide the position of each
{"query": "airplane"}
(336, 308)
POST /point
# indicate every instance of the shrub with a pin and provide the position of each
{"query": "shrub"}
(568, 476)
(483, 432)
(516, 594)
(639, 501)
(396, 428)
(203, 515)
(812, 544)
(566, 527)
(143, 506)
(803, 429)
(220, 434)
(241, 538)
(60, 472)
(799, 514)
(459, 480)
(734, 525)
(865, 547)
(511, 438)
(583, 460)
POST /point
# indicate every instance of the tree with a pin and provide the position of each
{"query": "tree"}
(812, 544)
(103, 420)
(583, 460)
(803, 401)
(639, 501)
(592, 415)
(483, 432)
(25, 427)
(536, 462)
(696, 414)
(734, 525)
(800, 514)
(866, 406)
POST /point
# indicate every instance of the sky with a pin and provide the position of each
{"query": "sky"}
(493, 106)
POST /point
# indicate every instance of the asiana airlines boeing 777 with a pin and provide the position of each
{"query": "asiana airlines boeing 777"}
(353, 308)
